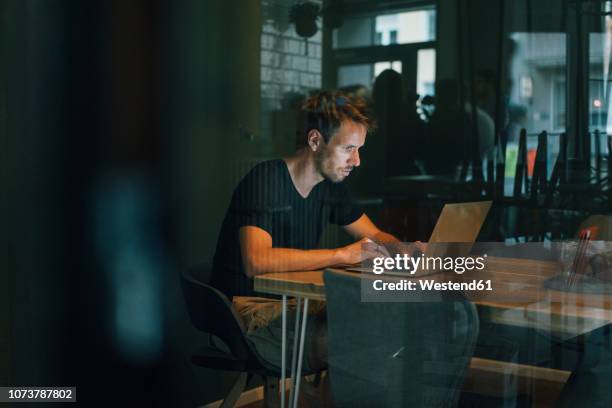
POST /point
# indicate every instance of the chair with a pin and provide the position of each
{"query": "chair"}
(599, 225)
(539, 181)
(559, 170)
(212, 313)
(397, 354)
(521, 176)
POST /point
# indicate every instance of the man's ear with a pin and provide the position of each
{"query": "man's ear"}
(315, 139)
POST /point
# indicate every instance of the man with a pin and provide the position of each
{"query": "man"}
(279, 211)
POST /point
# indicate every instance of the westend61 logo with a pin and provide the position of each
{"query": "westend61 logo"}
(428, 263)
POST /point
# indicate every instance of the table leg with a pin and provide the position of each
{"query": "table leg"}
(298, 374)
(296, 331)
(284, 350)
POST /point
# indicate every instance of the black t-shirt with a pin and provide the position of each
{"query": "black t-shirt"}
(267, 198)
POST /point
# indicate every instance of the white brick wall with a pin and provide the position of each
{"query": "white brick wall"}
(285, 67)
(284, 60)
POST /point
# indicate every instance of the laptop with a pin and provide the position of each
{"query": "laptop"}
(458, 223)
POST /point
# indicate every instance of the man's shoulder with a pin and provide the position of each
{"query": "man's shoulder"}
(267, 168)
(261, 184)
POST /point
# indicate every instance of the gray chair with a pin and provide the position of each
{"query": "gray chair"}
(212, 313)
(396, 354)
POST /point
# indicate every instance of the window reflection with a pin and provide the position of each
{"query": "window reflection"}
(381, 66)
(599, 106)
(538, 78)
(426, 72)
(406, 27)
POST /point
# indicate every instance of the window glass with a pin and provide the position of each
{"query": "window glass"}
(537, 97)
(599, 100)
(364, 74)
(426, 72)
(398, 28)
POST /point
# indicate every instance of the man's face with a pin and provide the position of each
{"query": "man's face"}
(340, 155)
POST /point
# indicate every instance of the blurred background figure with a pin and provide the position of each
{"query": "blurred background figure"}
(517, 120)
(392, 149)
(454, 131)
(398, 123)
(485, 85)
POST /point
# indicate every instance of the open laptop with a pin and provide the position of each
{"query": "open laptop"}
(458, 223)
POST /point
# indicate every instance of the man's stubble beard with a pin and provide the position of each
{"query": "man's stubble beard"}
(321, 160)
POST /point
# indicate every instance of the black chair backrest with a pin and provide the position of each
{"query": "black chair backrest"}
(201, 272)
(395, 353)
(520, 174)
(539, 179)
(211, 312)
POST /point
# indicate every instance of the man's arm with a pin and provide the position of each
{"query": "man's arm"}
(258, 255)
(365, 228)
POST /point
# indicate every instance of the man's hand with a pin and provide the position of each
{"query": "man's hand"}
(364, 227)
(413, 249)
(361, 250)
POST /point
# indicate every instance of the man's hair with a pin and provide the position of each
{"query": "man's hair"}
(325, 111)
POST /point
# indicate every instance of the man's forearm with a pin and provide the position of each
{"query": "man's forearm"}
(384, 238)
(287, 260)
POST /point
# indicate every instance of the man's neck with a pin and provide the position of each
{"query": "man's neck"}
(303, 171)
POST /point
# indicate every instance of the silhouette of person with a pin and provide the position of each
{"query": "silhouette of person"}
(398, 123)
(452, 132)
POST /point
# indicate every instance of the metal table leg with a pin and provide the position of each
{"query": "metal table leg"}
(298, 374)
(284, 350)
(296, 331)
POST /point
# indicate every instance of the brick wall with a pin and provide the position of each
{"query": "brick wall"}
(287, 73)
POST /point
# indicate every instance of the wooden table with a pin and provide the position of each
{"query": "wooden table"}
(518, 287)
(519, 299)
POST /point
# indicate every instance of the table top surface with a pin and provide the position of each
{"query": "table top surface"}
(519, 297)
